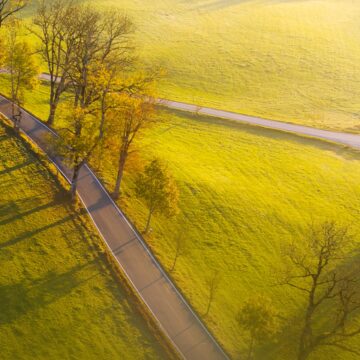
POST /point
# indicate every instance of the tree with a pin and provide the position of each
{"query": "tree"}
(76, 149)
(128, 116)
(158, 189)
(103, 43)
(55, 25)
(317, 269)
(19, 61)
(9, 8)
(260, 319)
(213, 284)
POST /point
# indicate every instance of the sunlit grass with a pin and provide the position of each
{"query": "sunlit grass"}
(295, 61)
(245, 192)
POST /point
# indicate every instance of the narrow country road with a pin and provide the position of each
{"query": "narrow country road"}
(347, 139)
(174, 316)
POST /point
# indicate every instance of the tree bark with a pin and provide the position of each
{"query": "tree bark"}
(51, 118)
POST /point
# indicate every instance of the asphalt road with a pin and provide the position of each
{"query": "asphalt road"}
(169, 308)
(347, 139)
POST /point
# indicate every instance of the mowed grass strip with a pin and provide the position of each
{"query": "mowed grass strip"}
(295, 61)
(59, 297)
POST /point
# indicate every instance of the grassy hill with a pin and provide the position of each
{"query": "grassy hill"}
(295, 61)
(245, 192)
(59, 298)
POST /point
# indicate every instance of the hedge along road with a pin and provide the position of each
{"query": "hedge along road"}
(346, 139)
(173, 314)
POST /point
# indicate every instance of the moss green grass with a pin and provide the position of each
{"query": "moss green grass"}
(59, 296)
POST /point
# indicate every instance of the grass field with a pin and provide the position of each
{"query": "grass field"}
(290, 60)
(245, 191)
(59, 298)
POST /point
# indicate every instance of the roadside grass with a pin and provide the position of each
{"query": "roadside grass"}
(245, 193)
(294, 61)
(60, 298)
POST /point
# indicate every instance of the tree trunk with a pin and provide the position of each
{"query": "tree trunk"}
(121, 167)
(147, 228)
(51, 118)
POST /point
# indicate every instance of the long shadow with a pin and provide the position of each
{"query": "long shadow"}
(22, 297)
(339, 149)
(31, 233)
(286, 343)
(16, 167)
(29, 212)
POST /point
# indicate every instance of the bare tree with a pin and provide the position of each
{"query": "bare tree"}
(9, 8)
(317, 269)
(104, 44)
(55, 25)
(213, 284)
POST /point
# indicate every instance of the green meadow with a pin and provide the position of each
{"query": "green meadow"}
(59, 297)
(245, 193)
(295, 61)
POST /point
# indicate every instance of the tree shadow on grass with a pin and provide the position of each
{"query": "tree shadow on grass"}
(25, 296)
(16, 167)
(7, 211)
(344, 151)
(31, 233)
(285, 346)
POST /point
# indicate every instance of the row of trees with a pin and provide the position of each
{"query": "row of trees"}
(91, 64)
(93, 70)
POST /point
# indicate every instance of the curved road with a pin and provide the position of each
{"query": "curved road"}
(346, 139)
(173, 314)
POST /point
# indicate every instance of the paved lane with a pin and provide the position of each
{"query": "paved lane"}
(347, 139)
(175, 317)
